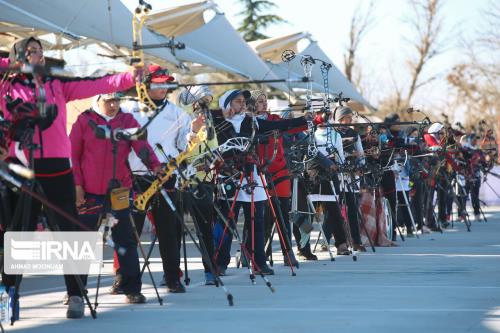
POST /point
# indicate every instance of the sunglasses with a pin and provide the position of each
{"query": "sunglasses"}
(160, 72)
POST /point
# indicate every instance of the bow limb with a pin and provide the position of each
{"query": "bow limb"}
(138, 20)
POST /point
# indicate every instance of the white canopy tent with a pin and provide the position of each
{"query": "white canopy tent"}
(213, 43)
(106, 21)
(272, 49)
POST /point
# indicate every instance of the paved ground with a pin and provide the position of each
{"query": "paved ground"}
(439, 283)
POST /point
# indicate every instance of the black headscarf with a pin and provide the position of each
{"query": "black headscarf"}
(18, 50)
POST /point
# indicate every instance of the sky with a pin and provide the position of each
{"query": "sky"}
(385, 47)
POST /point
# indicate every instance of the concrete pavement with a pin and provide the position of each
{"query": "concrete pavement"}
(446, 282)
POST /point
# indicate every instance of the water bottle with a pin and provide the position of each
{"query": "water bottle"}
(13, 306)
(4, 305)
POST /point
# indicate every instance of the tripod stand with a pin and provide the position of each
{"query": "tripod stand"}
(116, 201)
(453, 189)
(406, 204)
(22, 219)
(248, 184)
(359, 215)
(230, 226)
(200, 245)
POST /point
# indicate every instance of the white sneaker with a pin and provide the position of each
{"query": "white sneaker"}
(426, 230)
(76, 307)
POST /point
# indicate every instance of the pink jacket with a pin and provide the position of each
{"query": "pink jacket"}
(59, 92)
(92, 158)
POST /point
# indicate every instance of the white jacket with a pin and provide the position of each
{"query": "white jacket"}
(170, 129)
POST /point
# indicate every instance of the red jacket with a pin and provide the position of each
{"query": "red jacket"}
(278, 168)
(92, 158)
(431, 141)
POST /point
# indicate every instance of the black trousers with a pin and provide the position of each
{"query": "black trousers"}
(442, 188)
(473, 186)
(404, 217)
(168, 227)
(201, 209)
(333, 222)
(388, 185)
(281, 207)
(60, 191)
(125, 243)
(257, 237)
(429, 192)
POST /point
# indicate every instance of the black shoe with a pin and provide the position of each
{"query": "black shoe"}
(176, 288)
(135, 298)
(265, 270)
(359, 247)
(308, 255)
(221, 270)
(116, 288)
(293, 260)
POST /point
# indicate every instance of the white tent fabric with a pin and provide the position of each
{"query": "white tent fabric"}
(218, 45)
(89, 18)
(337, 82)
(272, 48)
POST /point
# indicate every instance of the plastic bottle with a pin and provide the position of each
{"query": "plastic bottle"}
(4, 305)
(13, 307)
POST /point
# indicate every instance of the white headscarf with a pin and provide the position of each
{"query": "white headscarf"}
(194, 94)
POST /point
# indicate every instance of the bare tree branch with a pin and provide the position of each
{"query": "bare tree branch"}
(427, 24)
(362, 22)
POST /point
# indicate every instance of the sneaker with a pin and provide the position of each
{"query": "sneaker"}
(135, 298)
(265, 270)
(425, 230)
(209, 279)
(359, 247)
(176, 288)
(294, 261)
(75, 307)
(66, 299)
(116, 288)
(163, 281)
(343, 250)
(221, 270)
(307, 255)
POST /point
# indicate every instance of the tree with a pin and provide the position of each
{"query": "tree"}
(361, 22)
(476, 80)
(254, 19)
(426, 43)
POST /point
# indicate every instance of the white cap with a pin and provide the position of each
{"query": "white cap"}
(435, 128)
(228, 96)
